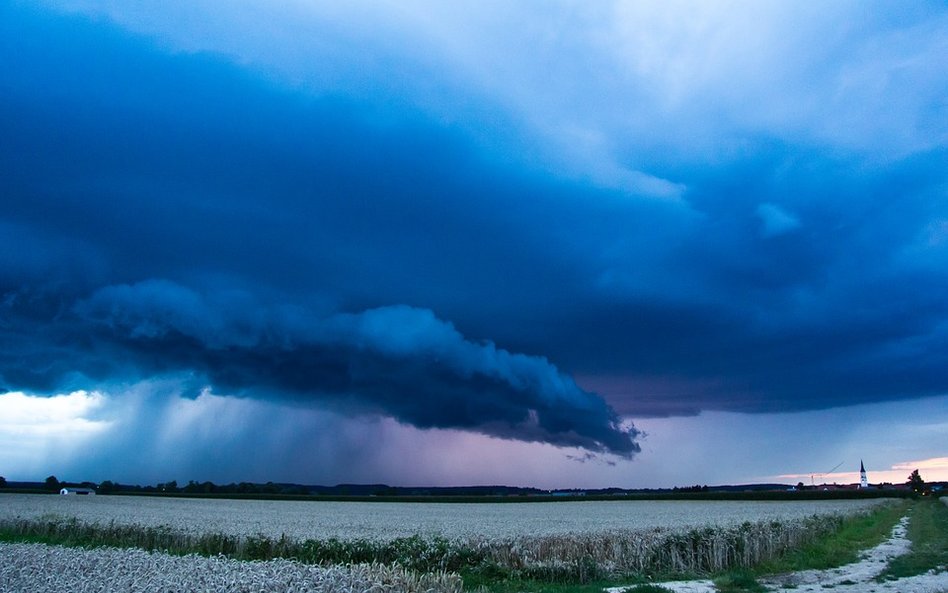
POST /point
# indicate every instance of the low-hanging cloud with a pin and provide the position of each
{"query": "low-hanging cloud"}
(397, 361)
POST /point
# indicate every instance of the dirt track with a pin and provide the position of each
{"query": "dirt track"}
(858, 577)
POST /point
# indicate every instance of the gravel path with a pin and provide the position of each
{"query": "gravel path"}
(858, 577)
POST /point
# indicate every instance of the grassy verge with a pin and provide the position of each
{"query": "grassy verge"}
(843, 547)
(480, 584)
(855, 534)
(928, 531)
(648, 589)
(738, 581)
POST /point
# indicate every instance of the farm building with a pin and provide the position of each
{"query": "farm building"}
(74, 490)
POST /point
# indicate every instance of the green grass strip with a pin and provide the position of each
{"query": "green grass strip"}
(928, 532)
(843, 547)
(738, 581)
(648, 589)
(856, 533)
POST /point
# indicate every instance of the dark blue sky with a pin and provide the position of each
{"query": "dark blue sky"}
(540, 228)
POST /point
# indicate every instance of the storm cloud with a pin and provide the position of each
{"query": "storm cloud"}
(402, 213)
(394, 361)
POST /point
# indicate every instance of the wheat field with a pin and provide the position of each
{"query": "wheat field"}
(223, 545)
(39, 568)
(387, 520)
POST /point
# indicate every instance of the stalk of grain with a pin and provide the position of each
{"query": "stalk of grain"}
(636, 552)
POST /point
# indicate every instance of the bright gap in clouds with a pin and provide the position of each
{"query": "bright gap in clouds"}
(154, 435)
(34, 430)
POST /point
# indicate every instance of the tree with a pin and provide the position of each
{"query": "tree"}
(52, 483)
(915, 482)
(3, 482)
(171, 486)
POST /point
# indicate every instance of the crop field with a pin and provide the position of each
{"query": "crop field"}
(387, 520)
(40, 569)
(408, 547)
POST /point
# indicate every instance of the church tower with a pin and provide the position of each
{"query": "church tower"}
(863, 481)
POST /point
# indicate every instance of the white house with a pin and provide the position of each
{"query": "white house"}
(74, 490)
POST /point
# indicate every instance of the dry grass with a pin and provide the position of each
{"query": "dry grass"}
(649, 552)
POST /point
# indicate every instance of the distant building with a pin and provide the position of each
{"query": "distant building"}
(74, 490)
(863, 480)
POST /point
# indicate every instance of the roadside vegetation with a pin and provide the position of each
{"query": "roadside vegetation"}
(928, 531)
(855, 534)
(836, 547)
(842, 547)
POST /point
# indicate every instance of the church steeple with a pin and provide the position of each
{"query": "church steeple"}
(863, 480)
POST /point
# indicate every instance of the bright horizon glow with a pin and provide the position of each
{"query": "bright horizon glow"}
(934, 469)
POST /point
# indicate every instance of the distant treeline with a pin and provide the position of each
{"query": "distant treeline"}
(376, 492)
(52, 484)
(287, 489)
